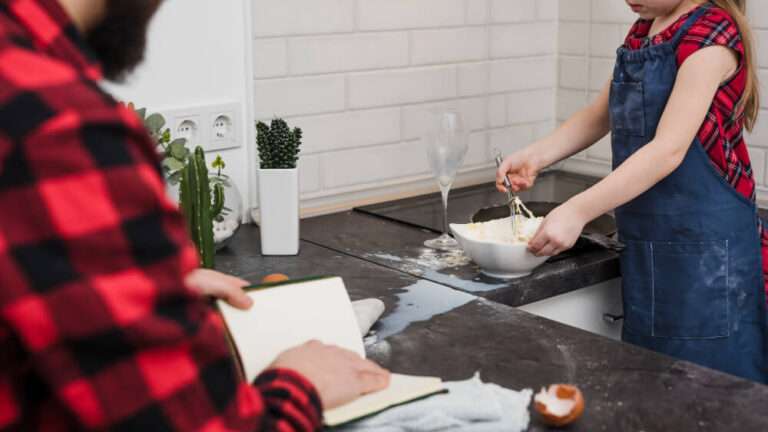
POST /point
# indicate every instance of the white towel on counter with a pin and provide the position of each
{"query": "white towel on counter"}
(367, 311)
(470, 405)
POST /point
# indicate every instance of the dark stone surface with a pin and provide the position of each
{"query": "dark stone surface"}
(400, 247)
(430, 329)
(426, 211)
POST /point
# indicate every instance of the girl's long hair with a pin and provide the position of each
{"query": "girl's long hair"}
(750, 102)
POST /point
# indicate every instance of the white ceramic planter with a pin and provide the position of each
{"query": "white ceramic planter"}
(279, 211)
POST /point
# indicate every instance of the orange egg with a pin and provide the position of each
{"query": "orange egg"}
(559, 405)
(275, 278)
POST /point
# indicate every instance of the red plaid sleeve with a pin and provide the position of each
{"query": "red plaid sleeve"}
(97, 330)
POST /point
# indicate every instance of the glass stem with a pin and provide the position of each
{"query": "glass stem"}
(444, 191)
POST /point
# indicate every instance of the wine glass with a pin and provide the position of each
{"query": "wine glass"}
(446, 143)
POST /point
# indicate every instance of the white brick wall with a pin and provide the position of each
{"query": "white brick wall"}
(359, 75)
(589, 33)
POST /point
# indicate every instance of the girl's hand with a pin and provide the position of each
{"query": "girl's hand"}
(220, 286)
(521, 168)
(559, 231)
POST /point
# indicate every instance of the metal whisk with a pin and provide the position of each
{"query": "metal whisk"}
(511, 197)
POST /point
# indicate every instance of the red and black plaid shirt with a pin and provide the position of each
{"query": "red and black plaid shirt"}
(722, 133)
(97, 330)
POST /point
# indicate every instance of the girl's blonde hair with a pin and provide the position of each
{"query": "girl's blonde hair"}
(750, 102)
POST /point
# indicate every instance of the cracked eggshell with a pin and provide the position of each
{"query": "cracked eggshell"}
(559, 405)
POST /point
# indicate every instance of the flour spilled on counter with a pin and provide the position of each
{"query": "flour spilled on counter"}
(420, 302)
(426, 259)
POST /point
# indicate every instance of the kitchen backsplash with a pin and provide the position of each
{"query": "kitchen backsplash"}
(358, 75)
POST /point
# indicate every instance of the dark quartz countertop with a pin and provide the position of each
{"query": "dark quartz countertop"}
(433, 329)
(400, 247)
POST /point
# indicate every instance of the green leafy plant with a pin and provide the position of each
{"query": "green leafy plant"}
(174, 151)
(278, 145)
(201, 201)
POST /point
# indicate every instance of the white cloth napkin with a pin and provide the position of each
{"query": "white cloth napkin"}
(470, 405)
(368, 311)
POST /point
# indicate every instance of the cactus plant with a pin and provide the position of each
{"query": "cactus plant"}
(278, 145)
(200, 205)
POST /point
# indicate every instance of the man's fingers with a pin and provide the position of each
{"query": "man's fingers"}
(232, 294)
(371, 382)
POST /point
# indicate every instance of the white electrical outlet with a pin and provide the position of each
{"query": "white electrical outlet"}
(214, 127)
(224, 122)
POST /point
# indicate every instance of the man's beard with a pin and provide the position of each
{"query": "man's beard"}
(120, 39)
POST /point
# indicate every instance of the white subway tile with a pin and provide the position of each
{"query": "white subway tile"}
(542, 129)
(349, 129)
(497, 111)
(516, 40)
(321, 54)
(761, 46)
(417, 118)
(600, 72)
(401, 14)
(477, 154)
(612, 11)
(373, 164)
(270, 58)
(511, 139)
(574, 10)
(601, 150)
(309, 173)
(288, 17)
(477, 11)
(759, 135)
(473, 79)
(605, 39)
(523, 74)
(763, 78)
(546, 10)
(757, 11)
(569, 102)
(573, 72)
(402, 86)
(573, 38)
(448, 45)
(530, 106)
(298, 96)
(513, 10)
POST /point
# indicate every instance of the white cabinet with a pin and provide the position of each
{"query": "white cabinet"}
(586, 308)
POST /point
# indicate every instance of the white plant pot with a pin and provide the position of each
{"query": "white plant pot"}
(279, 211)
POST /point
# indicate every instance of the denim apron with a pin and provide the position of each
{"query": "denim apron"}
(692, 276)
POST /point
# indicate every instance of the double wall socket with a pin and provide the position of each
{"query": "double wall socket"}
(213, 127)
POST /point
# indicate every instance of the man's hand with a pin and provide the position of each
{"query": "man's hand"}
(339, 375)
(220, 286)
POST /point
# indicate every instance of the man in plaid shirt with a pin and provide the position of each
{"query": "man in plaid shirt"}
(103, 323)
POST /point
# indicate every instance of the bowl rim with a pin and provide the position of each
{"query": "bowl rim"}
(493, 242)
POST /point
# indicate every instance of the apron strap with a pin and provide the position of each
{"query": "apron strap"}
(690, 22)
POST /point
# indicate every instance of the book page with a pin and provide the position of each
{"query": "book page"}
(402, 389)
(289, 315)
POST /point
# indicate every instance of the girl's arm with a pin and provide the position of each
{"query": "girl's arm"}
(698, 80)
(580, 131)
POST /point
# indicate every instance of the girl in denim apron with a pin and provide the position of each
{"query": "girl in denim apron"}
(683, 91)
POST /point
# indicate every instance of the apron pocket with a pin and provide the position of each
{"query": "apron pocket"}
(628, 108)
(690, 290)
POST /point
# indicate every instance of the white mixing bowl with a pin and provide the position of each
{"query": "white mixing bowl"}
(499, 260)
